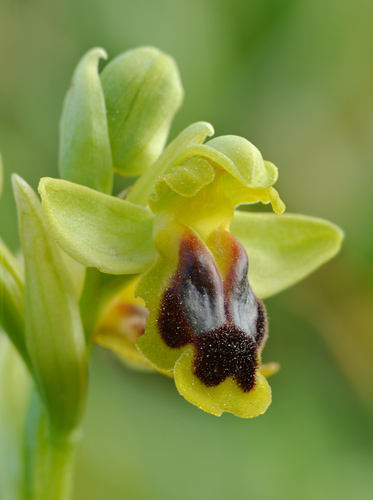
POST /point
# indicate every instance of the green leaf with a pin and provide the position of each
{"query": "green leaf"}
(85, 156)
(143, 188)
(15, 388)
(54, 334)
(284, 249)
(76, 271)
(35, 456)
(12, 312)
(143, 91)
(98, 230)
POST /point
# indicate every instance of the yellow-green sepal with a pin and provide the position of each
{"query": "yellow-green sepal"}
(54, 333)
(284, 249)
(143, 91)
(225, 397)
(98, 230)
(84, 152)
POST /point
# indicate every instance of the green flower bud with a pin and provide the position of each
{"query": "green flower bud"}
(84, 155)
(54, 334)
(143, 91)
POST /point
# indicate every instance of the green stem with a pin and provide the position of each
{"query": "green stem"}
(61, 461)
(50, 459)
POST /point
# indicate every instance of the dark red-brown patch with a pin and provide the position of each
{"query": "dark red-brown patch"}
(225, 352)
(261, 324)
(173, 322)
(224, 320)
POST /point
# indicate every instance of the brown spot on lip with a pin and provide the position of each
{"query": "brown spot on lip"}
(261, 324)
(173, 323)
(226, 352)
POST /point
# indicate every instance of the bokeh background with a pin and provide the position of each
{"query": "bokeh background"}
(295, 77)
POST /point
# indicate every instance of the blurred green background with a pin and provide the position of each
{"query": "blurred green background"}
(295, 77)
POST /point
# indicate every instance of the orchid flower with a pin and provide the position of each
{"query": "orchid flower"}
(191, 268)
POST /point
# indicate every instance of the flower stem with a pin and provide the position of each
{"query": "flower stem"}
(58, 483)
(50, 458)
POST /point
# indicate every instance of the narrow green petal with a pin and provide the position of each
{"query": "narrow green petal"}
(247, 159)
(98, 230)
(143, 91)
(194, 134)
(235, 155)
(12, 312)
(284, 249)
(54, 333)
(186, 180)
(85, 156)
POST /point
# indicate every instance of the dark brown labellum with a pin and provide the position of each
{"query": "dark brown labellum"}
(214, 310)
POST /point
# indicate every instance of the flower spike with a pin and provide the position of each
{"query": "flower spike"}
(169, 274)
